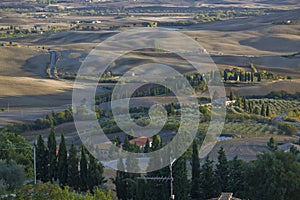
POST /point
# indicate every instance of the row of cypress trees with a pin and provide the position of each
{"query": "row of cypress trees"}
(65, 166)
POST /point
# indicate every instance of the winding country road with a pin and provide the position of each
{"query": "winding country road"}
(279, 118)
(53, 59)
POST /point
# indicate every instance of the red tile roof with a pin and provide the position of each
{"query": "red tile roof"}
(141, 141)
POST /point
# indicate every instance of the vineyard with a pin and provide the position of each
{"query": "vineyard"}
(293, 115)
(277, 106)
(274, 107)
(250, 129)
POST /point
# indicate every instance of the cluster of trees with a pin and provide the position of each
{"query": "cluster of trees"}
(42, 123)
(55, 118)
(209, 180)
(16, 157)
(250, 106)
(55, 192)
(58, 164)
(245, 76)
(15, 148)
(292, 115)
(195, 80)
(282, 95)
(270, 176)
(12, 176)
(264, 110)
(17, 31)
(129, 186)
(239, 75)
(273, 175)
(288, 129)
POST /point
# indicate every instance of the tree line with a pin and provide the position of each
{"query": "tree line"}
(42, 123)
(57, 164)
(273, 175)
(249, 76)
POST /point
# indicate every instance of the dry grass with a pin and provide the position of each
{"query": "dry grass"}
(241, 41)
(290, 86)
(245, 148)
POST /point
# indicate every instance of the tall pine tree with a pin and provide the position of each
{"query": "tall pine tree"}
(181, 183)
(52, 154)
(83, 171)
(41, 160)
(62, 166)
(207, 180)
(268, 113)
(236, 177)
(222, 171)
(263, 110)
(195, 193)
(73, 172)
(95, 173)
(120, 180)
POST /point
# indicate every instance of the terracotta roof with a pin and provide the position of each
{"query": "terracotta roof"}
(141, 141)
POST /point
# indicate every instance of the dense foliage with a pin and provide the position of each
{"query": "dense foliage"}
(57, 164)
(54, 192)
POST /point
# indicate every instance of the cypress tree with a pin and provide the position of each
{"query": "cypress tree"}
(272, 144)
(259, 77)
(244, 104)
(73, 175)
(95, 173)
(195, 193)
(83, 171)
(52, 154)
(252, 77)
(207, 180)
(147, 146)
(231, 95)
(241, 76)
(268, 114)
(263, 111)
(250, 107)
(120, 180)
(126, 145)
(236, 177)
(225, 75)
(181, 183)
(62, 162)
(236, 77)
(41, 160)
(222, 171)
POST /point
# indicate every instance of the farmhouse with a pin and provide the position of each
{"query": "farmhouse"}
(141, 141)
